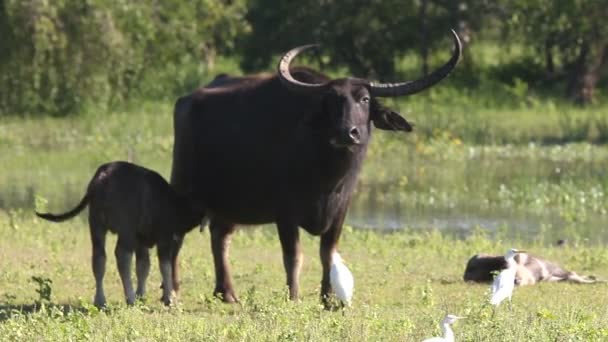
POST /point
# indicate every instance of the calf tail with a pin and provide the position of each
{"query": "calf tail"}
(581, 280)
(66, 216)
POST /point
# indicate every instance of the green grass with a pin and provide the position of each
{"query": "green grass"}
(405, 282)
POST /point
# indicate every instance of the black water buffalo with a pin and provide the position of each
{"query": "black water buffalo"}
(284, 148)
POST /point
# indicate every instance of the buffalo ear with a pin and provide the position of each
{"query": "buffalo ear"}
(388, 120)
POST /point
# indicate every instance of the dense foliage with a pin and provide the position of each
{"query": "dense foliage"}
(59, 56)
(570, 39)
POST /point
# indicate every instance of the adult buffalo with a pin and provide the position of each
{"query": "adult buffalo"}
(284, 148)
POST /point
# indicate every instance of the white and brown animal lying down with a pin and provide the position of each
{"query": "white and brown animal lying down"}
(530, 270)
(143, 210)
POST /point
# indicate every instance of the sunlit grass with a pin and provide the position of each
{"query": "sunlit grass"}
(404, 284)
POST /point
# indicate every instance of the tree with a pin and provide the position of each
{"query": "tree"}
(368, 37)
(67, 53)
(572, 37)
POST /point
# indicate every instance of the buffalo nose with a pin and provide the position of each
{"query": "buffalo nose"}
(355, 135)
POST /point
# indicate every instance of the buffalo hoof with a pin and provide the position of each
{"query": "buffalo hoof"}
(227, 297)
(169, 300)
(327, 302)
(99, 302)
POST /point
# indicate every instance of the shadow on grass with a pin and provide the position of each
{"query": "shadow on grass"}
(9, 311)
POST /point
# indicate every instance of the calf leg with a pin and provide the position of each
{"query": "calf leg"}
(178, 241)
(220, 243)
(124, 256)
(98, 239)
(164, 261)
(142, 268)
(292, 256)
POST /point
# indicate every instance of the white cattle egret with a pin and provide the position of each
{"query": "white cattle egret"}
(504, 283)
(341, 280)
(448, 334)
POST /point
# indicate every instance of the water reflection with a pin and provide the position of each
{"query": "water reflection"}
(379, 207)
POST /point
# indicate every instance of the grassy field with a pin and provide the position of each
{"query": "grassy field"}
(405, 282)
(537, 158)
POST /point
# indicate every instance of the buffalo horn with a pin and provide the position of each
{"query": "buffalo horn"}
(288, 80)
(411, 87)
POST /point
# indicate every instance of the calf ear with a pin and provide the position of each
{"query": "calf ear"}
(389, 120)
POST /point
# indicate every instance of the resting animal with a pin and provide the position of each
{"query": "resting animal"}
(529, 270)
(141, 207)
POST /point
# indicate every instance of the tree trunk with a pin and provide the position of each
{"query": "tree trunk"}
(208, 54)
(424, 37)
(585, 72)
(5, 34)
(549, 62)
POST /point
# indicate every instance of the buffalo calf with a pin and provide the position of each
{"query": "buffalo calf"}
(140, 207)
(529, 270)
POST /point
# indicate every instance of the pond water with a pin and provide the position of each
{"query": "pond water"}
(461, 220)
(525, 191)
(516, 191)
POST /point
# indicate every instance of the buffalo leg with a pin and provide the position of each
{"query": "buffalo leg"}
(292, 256)
(329, 244)
(220, 243)
(142, 268)
(98, 239)
(164, 249)
(124, 259)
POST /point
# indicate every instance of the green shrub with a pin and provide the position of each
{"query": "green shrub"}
(63, 55)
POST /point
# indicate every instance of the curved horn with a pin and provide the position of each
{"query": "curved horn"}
(411, 87)
(288, 80)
